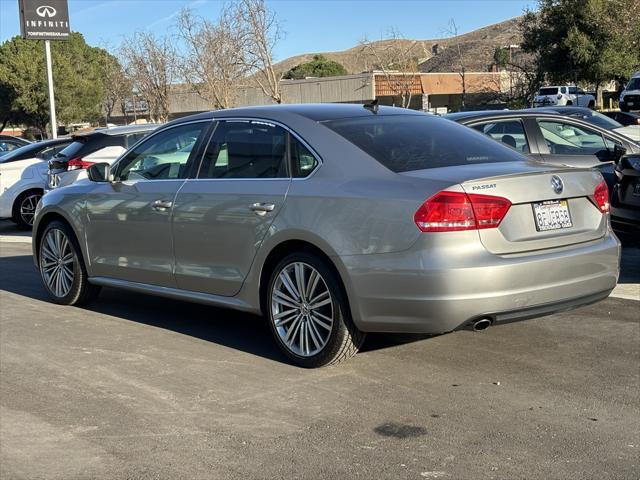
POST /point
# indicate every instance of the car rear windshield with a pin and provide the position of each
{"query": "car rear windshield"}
(72, 150)
(403, 143)
(548, 91)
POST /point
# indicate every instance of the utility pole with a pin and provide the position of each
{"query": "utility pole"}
(52, 101)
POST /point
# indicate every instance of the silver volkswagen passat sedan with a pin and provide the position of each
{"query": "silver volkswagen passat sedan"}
(332, 221)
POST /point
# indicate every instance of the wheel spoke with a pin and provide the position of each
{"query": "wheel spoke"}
(323, 299)
(286, 281)
(293, 329)
(56, 263)
(298, 270)
(315, 336)
(312, 283)
(321, 320)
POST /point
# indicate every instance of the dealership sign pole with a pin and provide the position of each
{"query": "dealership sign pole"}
(45, 20)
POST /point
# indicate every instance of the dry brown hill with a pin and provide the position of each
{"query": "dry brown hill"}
(477, 47)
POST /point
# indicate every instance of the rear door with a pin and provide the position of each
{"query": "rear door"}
(549, 210)
(222, 216)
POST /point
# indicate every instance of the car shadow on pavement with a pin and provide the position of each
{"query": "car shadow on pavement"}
(233, 329)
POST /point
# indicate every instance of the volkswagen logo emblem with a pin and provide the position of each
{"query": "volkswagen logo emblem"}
(46, 11)
(556, 183)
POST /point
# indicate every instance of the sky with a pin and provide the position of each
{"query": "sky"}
(309, 25)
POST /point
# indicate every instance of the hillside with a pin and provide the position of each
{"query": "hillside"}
(477, 47)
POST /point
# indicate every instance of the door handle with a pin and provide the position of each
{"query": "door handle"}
(262, 208)
(161, 205)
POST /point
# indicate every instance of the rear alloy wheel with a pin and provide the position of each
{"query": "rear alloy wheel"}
(61, 268)
(24, 209)
(308, 312)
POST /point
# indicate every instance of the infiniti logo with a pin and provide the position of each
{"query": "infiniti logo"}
(556, 183)
(46, 11)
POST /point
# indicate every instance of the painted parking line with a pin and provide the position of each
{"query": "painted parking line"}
(15, 239)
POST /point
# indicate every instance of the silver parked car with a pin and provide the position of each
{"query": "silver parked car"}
(332, 221)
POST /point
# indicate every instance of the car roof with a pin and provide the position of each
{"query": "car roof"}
(318, 112)
(121, 130)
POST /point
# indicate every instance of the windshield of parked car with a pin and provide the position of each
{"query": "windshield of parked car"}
(548, 91)
(597, 119)
(404, 143)
(634, 84)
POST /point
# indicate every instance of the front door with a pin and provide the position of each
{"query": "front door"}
(129, 220)
(222, 216)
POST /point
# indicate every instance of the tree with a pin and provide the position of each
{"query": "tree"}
(397, 59)
(77, 73)
(318, 67)
(117, 86)
(214, 63)
(150, 62)
(261, 32)
(589, 41)
(452, 32)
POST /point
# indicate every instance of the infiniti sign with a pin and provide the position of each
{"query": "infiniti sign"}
(44, 19)
(46, 11)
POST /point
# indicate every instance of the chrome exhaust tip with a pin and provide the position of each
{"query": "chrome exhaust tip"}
(481, 324)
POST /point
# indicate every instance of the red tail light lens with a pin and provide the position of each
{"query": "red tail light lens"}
(601, 196)
(454, 211)
(77, 163)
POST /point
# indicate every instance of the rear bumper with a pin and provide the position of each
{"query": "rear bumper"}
(445, 287)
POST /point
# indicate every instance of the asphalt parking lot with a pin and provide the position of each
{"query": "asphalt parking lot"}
(137, 387)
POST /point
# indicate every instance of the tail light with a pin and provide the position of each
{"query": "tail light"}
(454, 211)
(78, 163)
(601, 196)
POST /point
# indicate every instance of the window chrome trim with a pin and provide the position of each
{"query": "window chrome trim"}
(269, 122)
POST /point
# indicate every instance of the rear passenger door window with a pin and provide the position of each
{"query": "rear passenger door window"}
(508, 132)
(303, 162)
(246, 149)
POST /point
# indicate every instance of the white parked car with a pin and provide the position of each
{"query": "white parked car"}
(104, 145)
(23, 175)
(630, 96)
(563, 95)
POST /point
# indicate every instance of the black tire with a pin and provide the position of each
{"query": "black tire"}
(569, 103)
(344, 339)
(24, 208)
(624, 109)
(80, 291)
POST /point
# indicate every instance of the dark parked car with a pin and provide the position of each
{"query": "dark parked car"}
(9, 143)
(551, 138)
(104, 145)
(625, 197)
(624, 118)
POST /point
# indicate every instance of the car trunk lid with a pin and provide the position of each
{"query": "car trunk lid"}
(526, 184)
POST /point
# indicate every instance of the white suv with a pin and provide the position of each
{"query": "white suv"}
(630, 96)
(563, 95)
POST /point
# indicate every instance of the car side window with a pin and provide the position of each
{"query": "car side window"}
(245, 149)
(563, 90)
(163, 156)
(133, 138)
(303, 162)
(509, 132)
(573, 90)
(564, 138)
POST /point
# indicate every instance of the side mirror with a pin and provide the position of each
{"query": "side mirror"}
(99, 172)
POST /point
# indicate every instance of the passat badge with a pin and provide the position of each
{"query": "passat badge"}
(556, 183)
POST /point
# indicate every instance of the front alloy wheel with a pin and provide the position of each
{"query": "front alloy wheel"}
(61, 267)
(309, 314)
(25, 208)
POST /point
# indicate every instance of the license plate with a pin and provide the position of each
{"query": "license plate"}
(636, 189)
(552, 215)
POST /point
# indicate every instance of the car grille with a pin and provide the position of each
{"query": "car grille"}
(632, 98)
